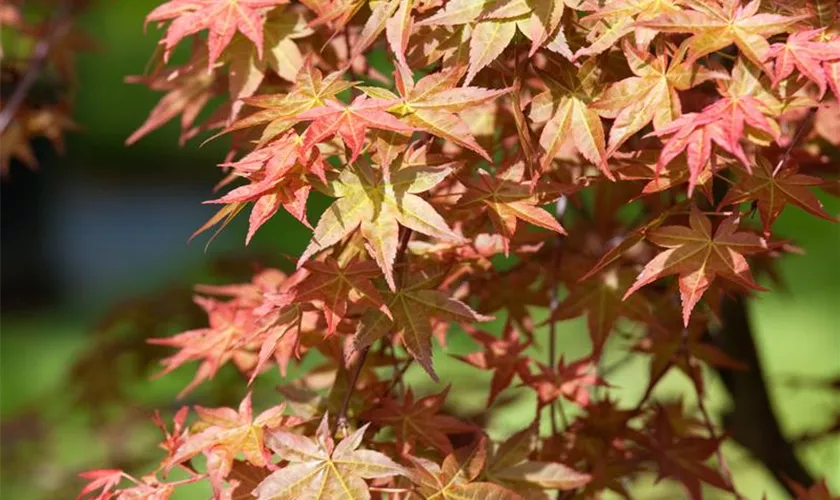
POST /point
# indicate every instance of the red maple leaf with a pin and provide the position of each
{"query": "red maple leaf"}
(277, 174)
(501, 355)
(222, 19)
(681, 455)
(600, 299)
(698, 256)
(508, 199)
(349, 122)
(723, 123)
(571, 381)
(772, 191)
(418, 420)
(222, 433)
(810, 56)
(334, 286)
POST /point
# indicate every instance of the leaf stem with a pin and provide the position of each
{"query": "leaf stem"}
(796, 137)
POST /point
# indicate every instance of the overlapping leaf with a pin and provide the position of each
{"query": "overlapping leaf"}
(509, 465)
(418, 421)
(493, 24)
(334, 286)
(649, 96)
(433, 102)
(413, 306)
(320, 469)
(222, 19)
(743, 111)
(455, 479)
(508, 198)
(377, 207)
(699, 256)
(504, 356)
(772, 191)
(717, 24)
(565, 109)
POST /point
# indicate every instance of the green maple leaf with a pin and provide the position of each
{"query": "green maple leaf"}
(377, 207)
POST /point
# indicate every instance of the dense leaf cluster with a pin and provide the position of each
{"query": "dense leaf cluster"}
(481, 155)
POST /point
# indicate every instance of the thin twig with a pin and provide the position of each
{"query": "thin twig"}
(554, 302)
(341, 422)
(796, 137)
(58, 27)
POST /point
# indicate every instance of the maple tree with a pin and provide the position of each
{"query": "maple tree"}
(526, 161)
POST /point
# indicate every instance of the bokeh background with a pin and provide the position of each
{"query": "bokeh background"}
(95, 259)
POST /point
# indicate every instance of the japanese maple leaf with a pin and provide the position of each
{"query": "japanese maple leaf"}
(392, 16)
(649, 96)
(501, 355)
(148, 487)
(456, 478)
(333, 286)
(717, 24)
(699, 256)
(220, 342)
(599, 437)
(613, 20)
(188, 89)
(349, 122)
(643, 165)
(277, 174)
(321, 469)
(222, 19)
(571, 381)
(493, 25)
(413, 306)
(566, 110)
(509, 465)
(600, 299)
(377, 208)
(681, 456)
(508, 198)
(222, 433)
(805, 52)
(773, 191)
(672, 346)
(742, 108)
(433, 102)
(101, 479)
(280, 111)
(418, 421)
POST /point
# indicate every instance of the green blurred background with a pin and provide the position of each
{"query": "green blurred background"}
(108, 224)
